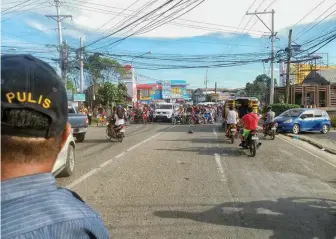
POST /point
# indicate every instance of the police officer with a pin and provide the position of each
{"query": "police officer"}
(34, 128)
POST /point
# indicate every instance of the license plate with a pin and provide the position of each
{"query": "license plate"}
(122, 130)
(273, 128)
(233, 130)
(255, 138)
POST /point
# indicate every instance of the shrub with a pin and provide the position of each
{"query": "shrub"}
(280, 108)
(333, 121)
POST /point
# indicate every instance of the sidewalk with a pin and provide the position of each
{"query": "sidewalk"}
(322, 141)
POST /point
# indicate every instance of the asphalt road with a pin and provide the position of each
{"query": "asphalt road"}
(162, 182)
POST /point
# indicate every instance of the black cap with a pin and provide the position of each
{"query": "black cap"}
(29, 83)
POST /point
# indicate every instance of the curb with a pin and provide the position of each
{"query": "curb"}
(312, 142)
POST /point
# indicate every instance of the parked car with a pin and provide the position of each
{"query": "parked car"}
(65, 162)
(303, 119)
(164, 112)
(79, 123)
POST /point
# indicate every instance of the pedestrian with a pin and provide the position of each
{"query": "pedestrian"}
(34, 129)
(89, 114)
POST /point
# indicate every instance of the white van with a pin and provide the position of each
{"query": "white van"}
(163, 112)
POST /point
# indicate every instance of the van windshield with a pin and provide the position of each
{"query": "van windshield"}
(71, 110)
(292, 113)
(164, 107)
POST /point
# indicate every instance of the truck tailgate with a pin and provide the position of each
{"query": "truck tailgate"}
(77, 120)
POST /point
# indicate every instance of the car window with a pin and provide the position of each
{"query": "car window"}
(165, 107)
(292, 113)
(309, 114)
(325, 114)
(317, 113)
(71, 110)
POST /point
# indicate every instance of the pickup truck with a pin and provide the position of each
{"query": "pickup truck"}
(79, 123)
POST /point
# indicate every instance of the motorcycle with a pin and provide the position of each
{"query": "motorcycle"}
(145, 117)
(196, 119)
(252, 142)
(118, 131)
(208, 118)
(151, 116)
(270, 130)
(232, 133)
(177, 118)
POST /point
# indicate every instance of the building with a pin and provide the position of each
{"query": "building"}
(148, 92)
(129, 80)
(174, 90)
(219, 94)
(298, 72)
(317, 89)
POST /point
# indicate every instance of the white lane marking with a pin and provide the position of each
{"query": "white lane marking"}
(220, 168)
(103, 165)
(218, 161)
(281, 137)
(120, 155)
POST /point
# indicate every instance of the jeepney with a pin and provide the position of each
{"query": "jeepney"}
(237, 102)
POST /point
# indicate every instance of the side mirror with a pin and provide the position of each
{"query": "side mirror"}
(303, 116)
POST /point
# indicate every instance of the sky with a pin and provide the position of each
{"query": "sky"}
(214, 27)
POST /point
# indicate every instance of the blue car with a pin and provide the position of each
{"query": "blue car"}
(303, 119)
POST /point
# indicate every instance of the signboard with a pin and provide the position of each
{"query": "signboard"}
(128, 73)
(69, 94)
(166, 89)
(79, 97)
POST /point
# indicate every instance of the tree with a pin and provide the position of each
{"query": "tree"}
(111, 93)
(208, 98)
(102, 69)
(70, 85)
(97, 69)
(260, 87)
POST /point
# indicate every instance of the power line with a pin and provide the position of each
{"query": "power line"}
(14, 6)
(308, 13)
(304, 31)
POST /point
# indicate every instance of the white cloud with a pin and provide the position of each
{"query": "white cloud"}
(39, 26)
(89, 15)
(218, 12)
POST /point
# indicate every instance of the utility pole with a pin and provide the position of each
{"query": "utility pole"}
(206, 84)
(289, 55)
(81, 65)
(273, 34)
(59, 18)
(216, 91)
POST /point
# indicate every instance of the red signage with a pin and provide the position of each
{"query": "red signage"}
(127, 67)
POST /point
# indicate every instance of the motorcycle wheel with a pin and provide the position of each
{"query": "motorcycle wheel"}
(107, 135)
(232, 139)
(120, 138)
(272, 135)
(191, 121)
(253, 148)
(174, 121)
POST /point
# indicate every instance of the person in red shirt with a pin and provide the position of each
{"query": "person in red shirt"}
(250, 123)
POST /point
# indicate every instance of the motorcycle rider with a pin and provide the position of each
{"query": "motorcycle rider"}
(231, 119)
(269, 118)
(117, 119)
(250, 123)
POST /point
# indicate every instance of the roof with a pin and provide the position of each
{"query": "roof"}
(148, 86)
(324, 77)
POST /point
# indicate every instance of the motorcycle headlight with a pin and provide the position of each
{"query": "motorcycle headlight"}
(288, 121)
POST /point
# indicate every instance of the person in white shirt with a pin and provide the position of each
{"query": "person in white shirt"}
(231, 119)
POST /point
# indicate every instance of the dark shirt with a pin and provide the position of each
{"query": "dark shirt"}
(243, 111)
(33, 207)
